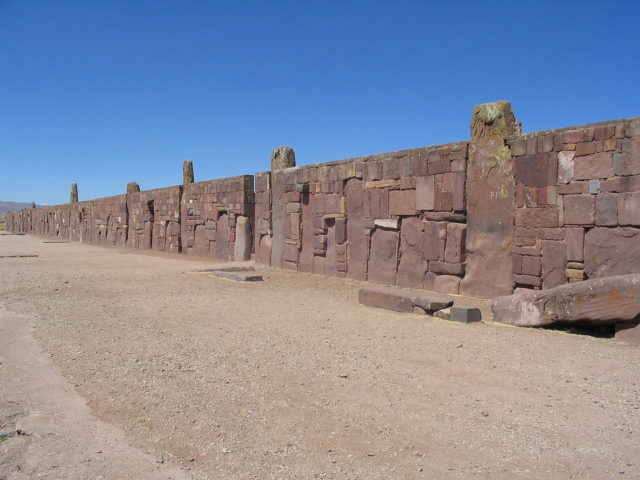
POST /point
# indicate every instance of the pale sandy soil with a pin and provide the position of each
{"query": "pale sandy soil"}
(141, 370)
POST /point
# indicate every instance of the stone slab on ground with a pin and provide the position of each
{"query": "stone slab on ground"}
(600, 301)
(238, 276)
(400, 300)
(465, 314)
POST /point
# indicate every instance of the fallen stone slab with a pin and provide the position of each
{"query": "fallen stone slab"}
(465, 314)
(18, 256)
(238, 276)
(400, 300)
(601, 301)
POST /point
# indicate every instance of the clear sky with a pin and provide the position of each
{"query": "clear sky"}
(108, 92)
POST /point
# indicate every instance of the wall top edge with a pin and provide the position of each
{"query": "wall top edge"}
(539, 133)
(379, 156)
(225, 179)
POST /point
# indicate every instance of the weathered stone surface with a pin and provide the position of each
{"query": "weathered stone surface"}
(400, 300)
(73, 196)
(282, 158)
(445, 284)
(601, 301)
(357, 246)
(490, 202)
(132, 187)
(554, 263)
(242, 247)
(597, 165)
(465, 314)
(425, 193)
(305, 262)
(391, 223)
(187, 172)
(628, 332)
(565, 166)
(611, 251)
(402, 202)
(238, 276)
(629, 208)
(574, 238)
(383, 256)
(629, 162)
(537, 217)
(455, 251)
(410, 268)
(606, 210)
(536, 170)
(579, 210)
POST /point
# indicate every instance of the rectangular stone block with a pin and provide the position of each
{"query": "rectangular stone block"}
(537, 217)
(606, 210)
(574, 238)
(597, 165)
(238, 276)
(455, 251)
(448, 268)
(579, 210)
(537, 170)
(621, 184)
(341, 230)
(400, 300)
(628, 163)
(402, 202)
(425, 193)
(527, 280)
(629, 208)
(531, 265)
(465, 314)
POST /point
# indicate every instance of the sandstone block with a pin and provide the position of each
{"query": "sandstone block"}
(465, 314)
(402, 202)
(606, 210)
(629, 208)
(537, 217)
(425, 193)
(400, 300)
(597, 165)
(611, 251)
(383, 256)
(579, 210)
(574, 238)
(601, 301)
(455, 251)
(554, 263)
(410, 268)
(629, 162)
(536, 170)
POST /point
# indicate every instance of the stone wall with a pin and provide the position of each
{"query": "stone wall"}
(397, 218)
(217, 218)
(503, 210)
(577, 203)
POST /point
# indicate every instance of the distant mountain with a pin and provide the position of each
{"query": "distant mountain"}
(13, 206)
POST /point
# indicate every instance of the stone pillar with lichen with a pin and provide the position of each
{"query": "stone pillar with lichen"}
(490, 192)
(187, 173)
(73, 198)
(281, 159)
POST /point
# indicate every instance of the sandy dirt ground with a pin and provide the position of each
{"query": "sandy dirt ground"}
(121, 364)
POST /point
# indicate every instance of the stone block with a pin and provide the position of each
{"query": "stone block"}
(341, 230)
(594, 186)
(531, 265)
(445, 284)
(530, 280)
(585, 148)
(402, 202)
(611, 251)
(447, 268)
(425, 193)
(579, 210)
(621, 184)
(383, 259)
(465, 314)
(400, 300)
(601, 301)
(238, 276)
(390, 223)
(376, 203)
(629, 208)
(391, 168)
(606, 210)
(536, 170)
(554, 263)
(574, 238)
(455, 251)
(459, 180)
(628, 163)
(432, 240)
(537, 217)
(372, 171)
(410, 268)
(597, 165)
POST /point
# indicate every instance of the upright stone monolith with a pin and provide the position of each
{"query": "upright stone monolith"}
(187, 172)
(132, 187)
(73, 198)
(490, 202)
(281, 159)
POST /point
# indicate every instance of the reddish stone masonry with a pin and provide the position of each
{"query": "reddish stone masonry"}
(398, 218)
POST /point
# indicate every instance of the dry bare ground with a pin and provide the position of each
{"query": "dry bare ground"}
(120, 364)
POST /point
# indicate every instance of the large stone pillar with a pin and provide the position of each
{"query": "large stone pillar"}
(281, 159)
(132, 187)
(490, 203)
(187, 172)
(73, 197)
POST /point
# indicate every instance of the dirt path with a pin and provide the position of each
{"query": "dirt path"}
(291, 378)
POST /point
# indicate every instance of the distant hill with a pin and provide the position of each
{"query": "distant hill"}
(13, 206)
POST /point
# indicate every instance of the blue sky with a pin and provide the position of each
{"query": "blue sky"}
(108, 92)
